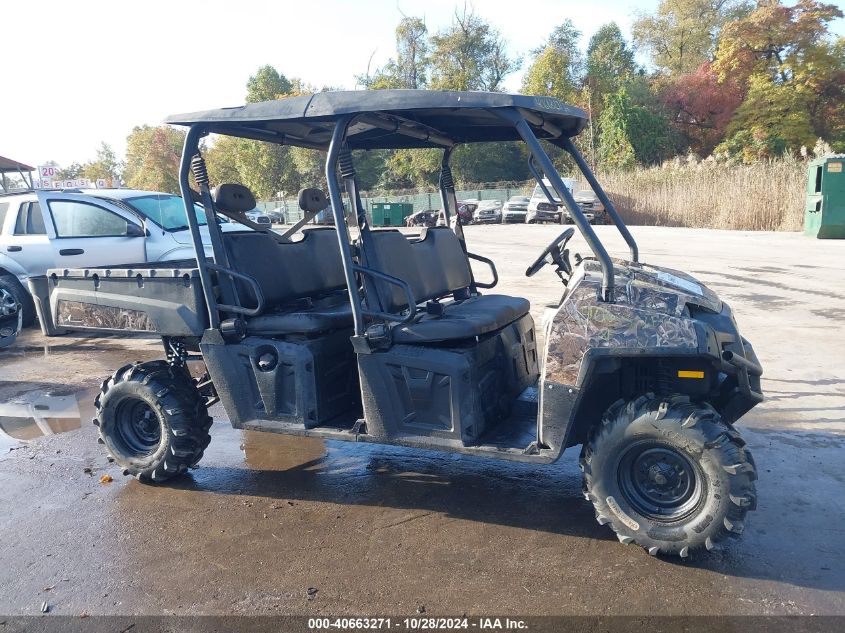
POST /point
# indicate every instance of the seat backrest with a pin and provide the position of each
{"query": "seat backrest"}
(311, 267)
(434, 265)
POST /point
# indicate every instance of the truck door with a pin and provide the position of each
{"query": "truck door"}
(24, 240)
(87, 232)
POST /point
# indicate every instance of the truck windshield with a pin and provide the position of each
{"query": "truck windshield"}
(166, 210)
(569, 183)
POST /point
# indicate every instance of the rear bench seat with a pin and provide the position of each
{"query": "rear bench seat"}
(303, 283)
(435, 267)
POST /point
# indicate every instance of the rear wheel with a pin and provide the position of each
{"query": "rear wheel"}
(669, 475)
(10, 284)
(152, 420)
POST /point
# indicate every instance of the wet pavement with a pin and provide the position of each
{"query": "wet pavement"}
(266, 520)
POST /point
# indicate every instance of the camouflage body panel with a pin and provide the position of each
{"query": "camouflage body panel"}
(649, 312)
(75, 314)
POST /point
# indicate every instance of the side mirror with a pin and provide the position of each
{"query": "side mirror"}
(133, 230)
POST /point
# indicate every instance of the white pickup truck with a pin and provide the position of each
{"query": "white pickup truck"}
(53, 229)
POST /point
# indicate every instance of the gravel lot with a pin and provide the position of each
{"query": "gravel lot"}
(379, 530)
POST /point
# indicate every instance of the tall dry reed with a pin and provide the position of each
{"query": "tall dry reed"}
(765, 196)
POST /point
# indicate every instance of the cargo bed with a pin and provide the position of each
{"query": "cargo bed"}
(162, 298)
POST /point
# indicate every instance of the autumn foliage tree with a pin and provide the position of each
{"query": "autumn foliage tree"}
(794, 75)
(745, 79)
(682, 34)
(700, 107)
(152, 158)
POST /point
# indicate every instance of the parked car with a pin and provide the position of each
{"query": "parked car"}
(515, 209)
(54, 229)
(591, 206)
(259, 217)
(422, 218)
(466, 209)
(488, 212)
(277, 215)
(540, 210)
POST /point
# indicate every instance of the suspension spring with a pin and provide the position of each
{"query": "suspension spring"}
(199, 170)
(446, 180)
(347, 169)
(663, 378)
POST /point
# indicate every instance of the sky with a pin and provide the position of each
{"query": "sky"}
(91, 73)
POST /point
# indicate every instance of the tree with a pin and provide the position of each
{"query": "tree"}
(105, 166)
(264, 167)
(631, 133)
(370, 166)
(469, 55)
(71, 172)
(681, 34)
(774, 39)
(700, 107)
(221, 159)
(409, 69)
(411, 168)
(412, 52)
(556, 68)
(775, 112)
(267, 84)
(491, 162)
(152, 158)
(793, 70)
(610, 62)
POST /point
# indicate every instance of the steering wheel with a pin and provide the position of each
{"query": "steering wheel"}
(555, 249)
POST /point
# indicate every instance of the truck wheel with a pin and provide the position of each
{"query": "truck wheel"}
(152, 420)
(10, 284)
(669, 475)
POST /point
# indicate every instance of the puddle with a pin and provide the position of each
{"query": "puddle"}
(42, 412)
(272, 451)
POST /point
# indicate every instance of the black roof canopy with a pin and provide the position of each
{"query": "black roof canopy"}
(387, 119)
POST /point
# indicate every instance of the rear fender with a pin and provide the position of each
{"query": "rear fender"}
(11, 267)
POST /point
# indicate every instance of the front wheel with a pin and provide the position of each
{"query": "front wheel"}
(152, 420)
(668, 475)
(10, 284)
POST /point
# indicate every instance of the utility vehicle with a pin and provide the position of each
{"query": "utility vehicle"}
(374, 335)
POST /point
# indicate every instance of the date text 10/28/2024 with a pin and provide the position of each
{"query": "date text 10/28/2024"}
(416, 624)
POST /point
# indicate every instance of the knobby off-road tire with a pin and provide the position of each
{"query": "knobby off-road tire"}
(11, 285)
(152, 420)
(669, 475)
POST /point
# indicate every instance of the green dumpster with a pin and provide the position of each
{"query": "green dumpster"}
(824, 215)
(390, 213)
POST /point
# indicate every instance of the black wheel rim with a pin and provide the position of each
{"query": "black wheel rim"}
(138, 427)
(659, 481)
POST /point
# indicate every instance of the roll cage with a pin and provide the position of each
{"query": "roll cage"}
(339, 122)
